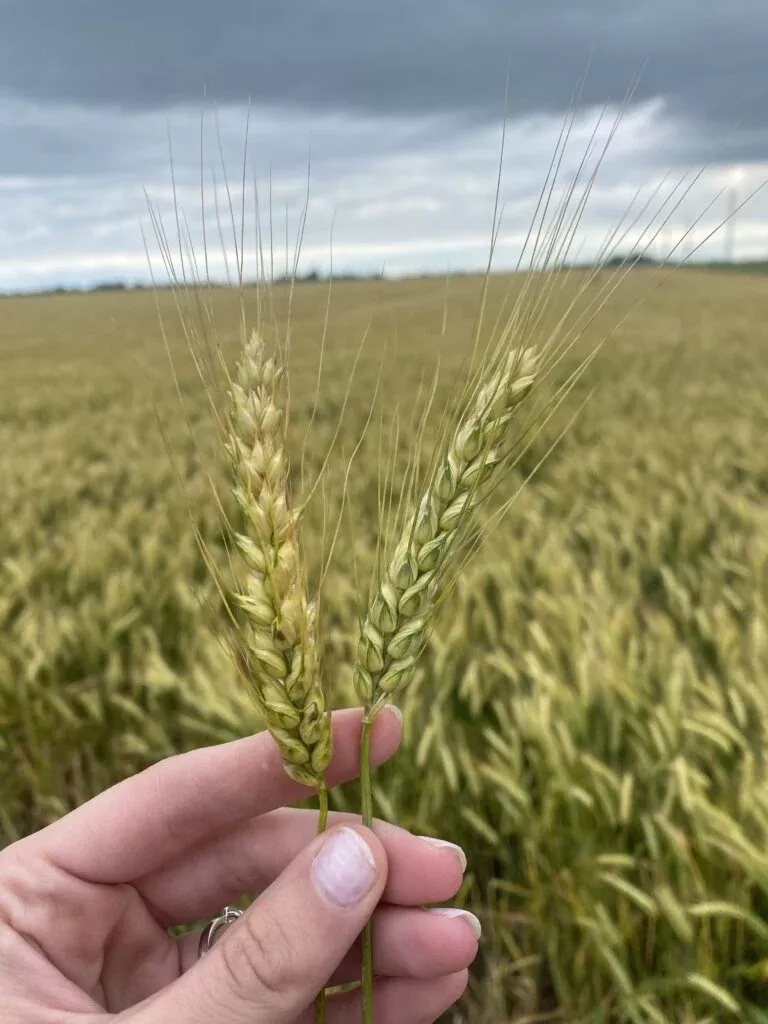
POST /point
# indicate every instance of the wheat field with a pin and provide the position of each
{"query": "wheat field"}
(590, 717)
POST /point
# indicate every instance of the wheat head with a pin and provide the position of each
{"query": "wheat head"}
(400, 612)
(277, 629)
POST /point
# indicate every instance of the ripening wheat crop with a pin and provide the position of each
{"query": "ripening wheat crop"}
(588, 715)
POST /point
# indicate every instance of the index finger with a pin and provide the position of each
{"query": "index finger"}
(138, 824)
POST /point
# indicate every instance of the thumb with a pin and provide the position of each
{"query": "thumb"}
(270, 965)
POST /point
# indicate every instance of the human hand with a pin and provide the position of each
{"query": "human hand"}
(85, 904)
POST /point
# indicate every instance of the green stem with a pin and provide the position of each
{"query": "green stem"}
(367, 809)
(322, 802)
(322, 821)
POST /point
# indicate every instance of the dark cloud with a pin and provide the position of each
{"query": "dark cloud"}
(46, 139)
(708, 59)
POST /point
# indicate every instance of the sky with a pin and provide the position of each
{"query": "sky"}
(388, 118)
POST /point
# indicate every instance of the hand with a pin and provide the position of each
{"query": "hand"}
(85, 904)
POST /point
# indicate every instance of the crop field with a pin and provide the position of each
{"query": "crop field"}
(590, 718)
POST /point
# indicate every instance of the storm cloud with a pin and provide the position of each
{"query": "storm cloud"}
(708, 59)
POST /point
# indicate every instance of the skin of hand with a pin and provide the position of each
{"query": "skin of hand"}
(86, 904)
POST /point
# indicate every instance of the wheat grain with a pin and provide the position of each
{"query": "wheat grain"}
(278, 634)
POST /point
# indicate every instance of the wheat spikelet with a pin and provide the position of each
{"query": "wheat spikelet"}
(399, 615)
(278, 643)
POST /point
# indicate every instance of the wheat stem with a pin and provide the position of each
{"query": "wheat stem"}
(367, 813)
(322, 817)
(322, 822)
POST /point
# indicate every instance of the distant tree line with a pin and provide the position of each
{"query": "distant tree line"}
(316, 276)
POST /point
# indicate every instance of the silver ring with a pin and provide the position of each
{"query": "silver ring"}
(216, 928)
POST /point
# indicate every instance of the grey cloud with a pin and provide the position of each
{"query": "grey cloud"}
(69, 138)
(707, 58)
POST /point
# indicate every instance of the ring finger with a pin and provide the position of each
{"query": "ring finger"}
(407, 943)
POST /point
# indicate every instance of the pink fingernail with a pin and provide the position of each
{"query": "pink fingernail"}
(344, 870)
(457, 850)
(472, 921)
(395, 711)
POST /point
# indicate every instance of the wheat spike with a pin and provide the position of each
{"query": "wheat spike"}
(278, 630)
(399, 615)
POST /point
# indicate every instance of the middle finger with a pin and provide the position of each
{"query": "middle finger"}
(250, 857)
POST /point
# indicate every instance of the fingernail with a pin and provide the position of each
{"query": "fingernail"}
(449, 846)
(472, 921)
(344, 870)
(395, 711)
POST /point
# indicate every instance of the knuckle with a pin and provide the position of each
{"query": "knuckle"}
(240, 878)
(256, 958)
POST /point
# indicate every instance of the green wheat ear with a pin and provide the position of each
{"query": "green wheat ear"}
(400, 613)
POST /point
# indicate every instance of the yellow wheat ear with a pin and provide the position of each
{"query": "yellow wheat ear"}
(277, 641)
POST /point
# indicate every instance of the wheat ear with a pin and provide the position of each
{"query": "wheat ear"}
(400, 613)
(278, 628)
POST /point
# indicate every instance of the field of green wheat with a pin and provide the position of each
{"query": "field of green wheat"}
(590, 718)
